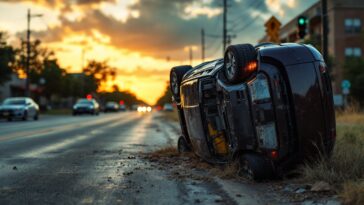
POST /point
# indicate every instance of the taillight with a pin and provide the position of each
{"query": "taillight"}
(323, 68)
(251, 66)
(274, 154)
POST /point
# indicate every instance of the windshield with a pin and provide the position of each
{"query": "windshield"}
(85, 102)
(14, 102)
(110, 104)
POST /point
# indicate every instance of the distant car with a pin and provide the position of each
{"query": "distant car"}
(134, 107)
(19, 107)
(86, 106)
(268, 106)
(111, 107)
(122, 108)
(168, 107)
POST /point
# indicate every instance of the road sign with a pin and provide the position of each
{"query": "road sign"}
(346, 91)
(273, 27)
(345, 84)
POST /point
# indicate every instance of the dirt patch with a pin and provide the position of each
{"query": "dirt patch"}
(189, 166)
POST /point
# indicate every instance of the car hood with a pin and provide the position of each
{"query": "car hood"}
(11, 107)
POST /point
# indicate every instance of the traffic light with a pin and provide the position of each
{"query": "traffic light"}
(121, 102)
(89, 97)
(302, 26)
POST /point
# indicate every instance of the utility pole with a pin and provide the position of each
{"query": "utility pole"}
(202, 45)
(325, 30)
(27, 63)
(224, 32)
(191, 55)
(27, 92)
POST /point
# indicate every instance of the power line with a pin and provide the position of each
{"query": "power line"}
(246, 25)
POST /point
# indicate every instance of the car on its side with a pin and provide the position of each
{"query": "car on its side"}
(86, 106)
(111, 107)
(268, 106)
(19, 108)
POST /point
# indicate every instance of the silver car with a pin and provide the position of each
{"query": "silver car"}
(19, 107)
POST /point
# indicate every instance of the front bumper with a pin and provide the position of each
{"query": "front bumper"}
(11, 113)
(84, 110)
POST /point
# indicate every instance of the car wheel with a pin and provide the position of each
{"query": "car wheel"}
(255, 167)
(25, 116)
(236, 58)
(182, 145)
(36, 116)
(175, 79)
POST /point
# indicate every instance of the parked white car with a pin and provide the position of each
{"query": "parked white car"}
(19, 107)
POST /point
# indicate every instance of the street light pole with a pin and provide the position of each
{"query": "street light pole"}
(27, 64)
(27, 92)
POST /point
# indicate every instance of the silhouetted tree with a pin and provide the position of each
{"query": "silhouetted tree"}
(7, 59)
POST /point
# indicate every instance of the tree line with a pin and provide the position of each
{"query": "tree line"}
(53, 80)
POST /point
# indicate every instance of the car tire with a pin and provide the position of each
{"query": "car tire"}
(255, 167)
(235, 59)
(25, 116)
(36, 116)
(175, 79)
(182, 145)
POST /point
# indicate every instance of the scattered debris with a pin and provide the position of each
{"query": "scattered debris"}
(321, 186)
(300, 191)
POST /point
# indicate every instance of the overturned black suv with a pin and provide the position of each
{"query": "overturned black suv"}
(268, 106)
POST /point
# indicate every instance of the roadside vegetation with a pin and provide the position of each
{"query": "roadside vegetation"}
(344, 171)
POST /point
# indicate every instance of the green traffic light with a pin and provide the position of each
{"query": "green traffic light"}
(301, 21)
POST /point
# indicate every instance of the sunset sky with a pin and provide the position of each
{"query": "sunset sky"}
(143, 39)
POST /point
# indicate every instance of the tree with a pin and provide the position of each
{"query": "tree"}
(7, 59)
(52, 75)
(353, 71)
(38, 55)
(99, 72)
(166, 97)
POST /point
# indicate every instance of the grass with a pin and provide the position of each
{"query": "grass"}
(345, 169)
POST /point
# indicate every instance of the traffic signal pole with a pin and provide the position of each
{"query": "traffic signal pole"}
(325, 30)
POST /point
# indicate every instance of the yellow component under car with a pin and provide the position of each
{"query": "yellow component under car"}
(219, 141)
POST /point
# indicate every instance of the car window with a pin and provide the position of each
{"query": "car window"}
(14, 102)
(86, 102)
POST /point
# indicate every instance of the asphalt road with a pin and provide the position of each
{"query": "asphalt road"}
(96, 160)
(90, 160)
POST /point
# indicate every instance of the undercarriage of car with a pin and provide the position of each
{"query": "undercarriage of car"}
(252, 106)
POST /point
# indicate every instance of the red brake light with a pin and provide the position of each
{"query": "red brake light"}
(274, 154)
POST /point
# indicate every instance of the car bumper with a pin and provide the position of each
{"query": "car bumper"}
(84, 110)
